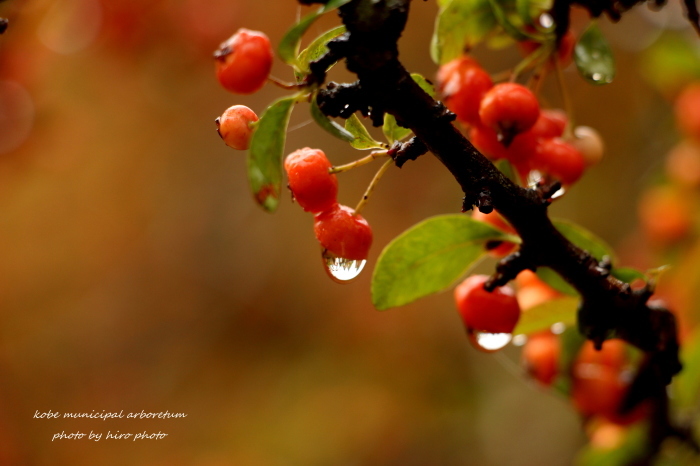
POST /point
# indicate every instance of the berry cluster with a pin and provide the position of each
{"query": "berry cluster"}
(243, 64)
(506, 122)
(344, 235)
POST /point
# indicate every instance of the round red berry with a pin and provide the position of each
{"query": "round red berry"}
(490, 312)
(521, 148)
(463, 84)
(550, 124)
(509, 108)
(343, 232)
(540, 357)
(234, 126)
(688, 111)
(558, 159)
(244, 61)
(314, 188)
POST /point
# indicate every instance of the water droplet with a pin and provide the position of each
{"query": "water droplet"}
(341, 270)
(520, 340)
(560, 192)
(597, 77)
(533, 178)
(558, 328)
(488, 342)
(546, 20)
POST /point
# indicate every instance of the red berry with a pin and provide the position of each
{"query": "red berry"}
(688, 111)
(509, 108)
(541, 357)
(343, 232)
(314, 188)
(558, 159)
(234, 126)
(665, 214)
(463, 84)
(599, 382)
(550, 124)
(502, 248)
(244, 61)
(520, 150)
(494, 312)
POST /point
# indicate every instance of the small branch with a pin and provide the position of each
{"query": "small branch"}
(372, 185)
(359, 162)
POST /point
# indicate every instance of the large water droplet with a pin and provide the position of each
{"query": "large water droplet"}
(488, 342)
(340, 269)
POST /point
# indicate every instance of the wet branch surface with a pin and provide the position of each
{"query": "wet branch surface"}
(609, 307)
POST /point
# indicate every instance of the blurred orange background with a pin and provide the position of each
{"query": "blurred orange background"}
(136, 272)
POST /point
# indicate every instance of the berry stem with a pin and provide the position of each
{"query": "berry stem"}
(372, 185)
(566, 100)
(283, 84)
(359, 162)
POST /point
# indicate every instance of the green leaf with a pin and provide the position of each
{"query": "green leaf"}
(363, 140)
(266, 152)
(594, 57)
(288, 48)
(628, 274)
(329, 125)
(553, 279)
(670, 62)
(512, 29)
(633, 447)
(581, 238)
(429, 257)
(584, 239)
(424, 84)
(460, 25)
(507, 169)
(317, 49)
(543, 316)
(392, 130)
(686, 385)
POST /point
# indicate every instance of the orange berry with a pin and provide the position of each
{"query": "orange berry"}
(244, 61)
(234, 126)
(509, 108)
(688, 111)
(494, 312)
(343, 232)
(665, 215)
(683, 163)
(314, 188)
(558, 159)
(463, 83)
(540, 357)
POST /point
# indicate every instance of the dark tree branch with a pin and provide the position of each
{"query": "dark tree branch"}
(609, 308)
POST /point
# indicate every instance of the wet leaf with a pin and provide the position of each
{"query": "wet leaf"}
(594, 57)
(430, 257)
(266, 152)
(628, 274)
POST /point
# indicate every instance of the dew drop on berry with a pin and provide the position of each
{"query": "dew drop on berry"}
(340, 269)
(488, 342)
